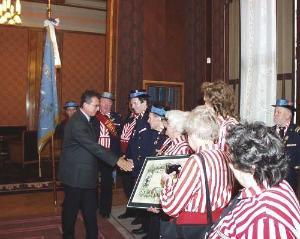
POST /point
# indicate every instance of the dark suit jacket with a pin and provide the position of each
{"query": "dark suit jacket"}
(78, 166)
(291, 141)
(292, 144)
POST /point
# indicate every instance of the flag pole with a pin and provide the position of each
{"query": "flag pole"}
(48, 116)
(49, 9)
(40, 169)
(52, 138)
(53, 171)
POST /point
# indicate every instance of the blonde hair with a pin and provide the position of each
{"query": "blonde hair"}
(202, 122)
(176, 119)
(221, 96)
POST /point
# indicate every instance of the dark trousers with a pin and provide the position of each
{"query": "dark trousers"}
(153, 226)
(292, 178)
(128, 182)
(106, 187)
(75, 199)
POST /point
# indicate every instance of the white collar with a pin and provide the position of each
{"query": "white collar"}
(87, 116)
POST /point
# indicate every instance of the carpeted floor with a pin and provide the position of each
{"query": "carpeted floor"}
(123, 225)
(49, 227)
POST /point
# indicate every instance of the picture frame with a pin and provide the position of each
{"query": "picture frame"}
(148, 185)
(167, 93)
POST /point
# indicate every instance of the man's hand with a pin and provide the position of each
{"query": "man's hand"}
(126, 165)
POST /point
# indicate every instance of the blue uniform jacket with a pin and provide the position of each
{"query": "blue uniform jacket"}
(143, 143)
(291, 141)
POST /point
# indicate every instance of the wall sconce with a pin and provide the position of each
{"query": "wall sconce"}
(10, 13)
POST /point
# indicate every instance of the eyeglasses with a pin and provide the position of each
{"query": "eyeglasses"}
(96, 106)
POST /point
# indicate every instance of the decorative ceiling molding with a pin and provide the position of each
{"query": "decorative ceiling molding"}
(96, 4)
(71, 18)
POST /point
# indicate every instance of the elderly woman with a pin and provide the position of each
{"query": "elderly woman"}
(267, 206)
(185, 197)
(177, 143)
(220, 96)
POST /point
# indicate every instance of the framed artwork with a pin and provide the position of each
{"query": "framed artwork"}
(169, 94)
(148, 185)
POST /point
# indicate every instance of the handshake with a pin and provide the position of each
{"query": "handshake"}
(125, 164)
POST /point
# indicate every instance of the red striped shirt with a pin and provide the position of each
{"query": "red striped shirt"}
(224, 126)
(177, 146)
(127, 132)
(187, 194)
(262, 213)
(104, 139)
(128, 129)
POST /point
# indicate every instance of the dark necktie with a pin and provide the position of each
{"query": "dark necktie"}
(281, 132)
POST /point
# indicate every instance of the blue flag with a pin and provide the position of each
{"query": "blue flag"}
(48, 113)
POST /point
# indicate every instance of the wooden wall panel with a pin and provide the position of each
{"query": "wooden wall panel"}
(218, 43)
(197, 49)
(130, 32)
(154, 62)
(164, 34)
(13, 75)
(175, 38)
(83, 64)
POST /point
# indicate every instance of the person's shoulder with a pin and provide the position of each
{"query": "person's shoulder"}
(295, 129)
(77, 118)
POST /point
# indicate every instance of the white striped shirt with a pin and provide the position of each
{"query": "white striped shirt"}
(262, 213)
(127, 130)
(177, 146)
(187, 194)
(225, 124)
(104, 138)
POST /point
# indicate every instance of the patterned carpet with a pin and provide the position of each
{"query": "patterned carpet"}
(49, 227)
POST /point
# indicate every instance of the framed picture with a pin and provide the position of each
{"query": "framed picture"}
(167, 93)
(148, 185)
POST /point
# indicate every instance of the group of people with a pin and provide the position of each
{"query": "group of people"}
(263, 160)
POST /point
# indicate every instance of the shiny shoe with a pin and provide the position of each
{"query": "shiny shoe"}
(124, 215)
(138, 231)
(136, 221)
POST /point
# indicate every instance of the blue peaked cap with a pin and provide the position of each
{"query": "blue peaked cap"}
(71, 104)
(158, 111)
(138, 93)
(285, 103)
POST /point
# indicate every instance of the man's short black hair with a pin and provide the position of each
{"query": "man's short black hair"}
(87, 96)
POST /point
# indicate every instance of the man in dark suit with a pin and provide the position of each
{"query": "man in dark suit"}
(290, 134)
(108, 127)
(78, 167)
